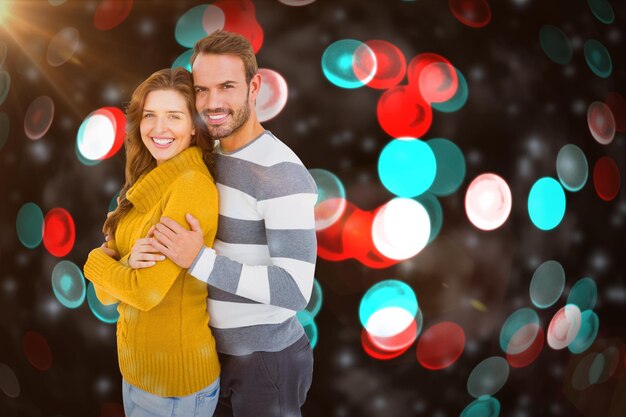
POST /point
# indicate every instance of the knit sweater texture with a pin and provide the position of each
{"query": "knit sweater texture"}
(165, 346)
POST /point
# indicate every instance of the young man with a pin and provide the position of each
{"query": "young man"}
(260, 271)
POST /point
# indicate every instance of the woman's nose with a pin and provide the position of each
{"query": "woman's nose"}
(160, 125)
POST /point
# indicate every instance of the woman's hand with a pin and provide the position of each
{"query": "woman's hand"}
(143, 254)
(110, 252)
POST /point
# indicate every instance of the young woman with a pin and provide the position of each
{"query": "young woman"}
(166, 350)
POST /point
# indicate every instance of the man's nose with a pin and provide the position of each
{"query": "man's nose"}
(210, 102)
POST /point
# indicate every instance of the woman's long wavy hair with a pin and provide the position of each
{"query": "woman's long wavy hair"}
(139, 161)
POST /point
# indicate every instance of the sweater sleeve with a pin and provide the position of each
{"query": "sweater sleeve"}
(289, 221)
(145, 288)
(102, 296)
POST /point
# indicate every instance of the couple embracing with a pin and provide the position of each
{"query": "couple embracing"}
(212, 248)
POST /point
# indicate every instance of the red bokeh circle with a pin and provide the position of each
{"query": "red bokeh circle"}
(606, 178)
(525, 358)
(472, 13)
(37, 350)
(441, 345)
(403, 113)
(111, 13)
(59, 232)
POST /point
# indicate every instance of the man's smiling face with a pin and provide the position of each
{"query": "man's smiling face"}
(222, 93)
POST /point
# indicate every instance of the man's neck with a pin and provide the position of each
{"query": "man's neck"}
(242, 137)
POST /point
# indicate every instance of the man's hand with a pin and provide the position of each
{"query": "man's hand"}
(143, 255)
(176, 242)
(109, 252)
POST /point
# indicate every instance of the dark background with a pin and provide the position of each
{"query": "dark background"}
(522, 109)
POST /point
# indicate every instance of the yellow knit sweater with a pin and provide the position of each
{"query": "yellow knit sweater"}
(164, 343)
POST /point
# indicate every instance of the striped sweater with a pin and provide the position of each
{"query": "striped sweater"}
(260, 270)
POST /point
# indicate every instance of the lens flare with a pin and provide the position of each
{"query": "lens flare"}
(590, 324)
(183, 60)
(63, 46)
(483, 407)
(450, 164)
(104, 313)
(9, 384)
(472, 13)
(213, 19)
(432, 77)
(606, 178)
(5, 85)
(403, 113)
(68, 284)
(401, 228)
(241, 18)
(584, 294)
(488, 377)
(546, 203)
(438, 82)
(440, 346)
(533, 334)
(38, 117)
(407, 167)
(37, 350)
(29, 225)
(458, 100)
(349, 63)
(390, 65)
(331, 198)
(598, 58)
(512, 340)
(401, 339)
(272, 96)
(601, 122)
(602, 10)
(564, 327)
(190, 26)
(488, 201)
(547, 284)
(59, 232)
(572, 168)
(555, 44)
(387, 308)
(101, 135)
(111, 13)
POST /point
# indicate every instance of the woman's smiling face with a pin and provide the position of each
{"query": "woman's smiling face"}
(166, 126)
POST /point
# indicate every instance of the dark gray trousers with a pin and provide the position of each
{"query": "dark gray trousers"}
(268, 384)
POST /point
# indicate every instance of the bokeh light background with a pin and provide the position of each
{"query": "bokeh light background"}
(432, 298)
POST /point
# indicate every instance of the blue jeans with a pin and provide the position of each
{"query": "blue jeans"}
(139, 403)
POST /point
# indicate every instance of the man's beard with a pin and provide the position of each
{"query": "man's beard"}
(239, 118)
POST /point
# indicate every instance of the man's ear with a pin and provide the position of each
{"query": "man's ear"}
(255, 86)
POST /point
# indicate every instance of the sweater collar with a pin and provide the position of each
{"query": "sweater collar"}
(150, 187)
